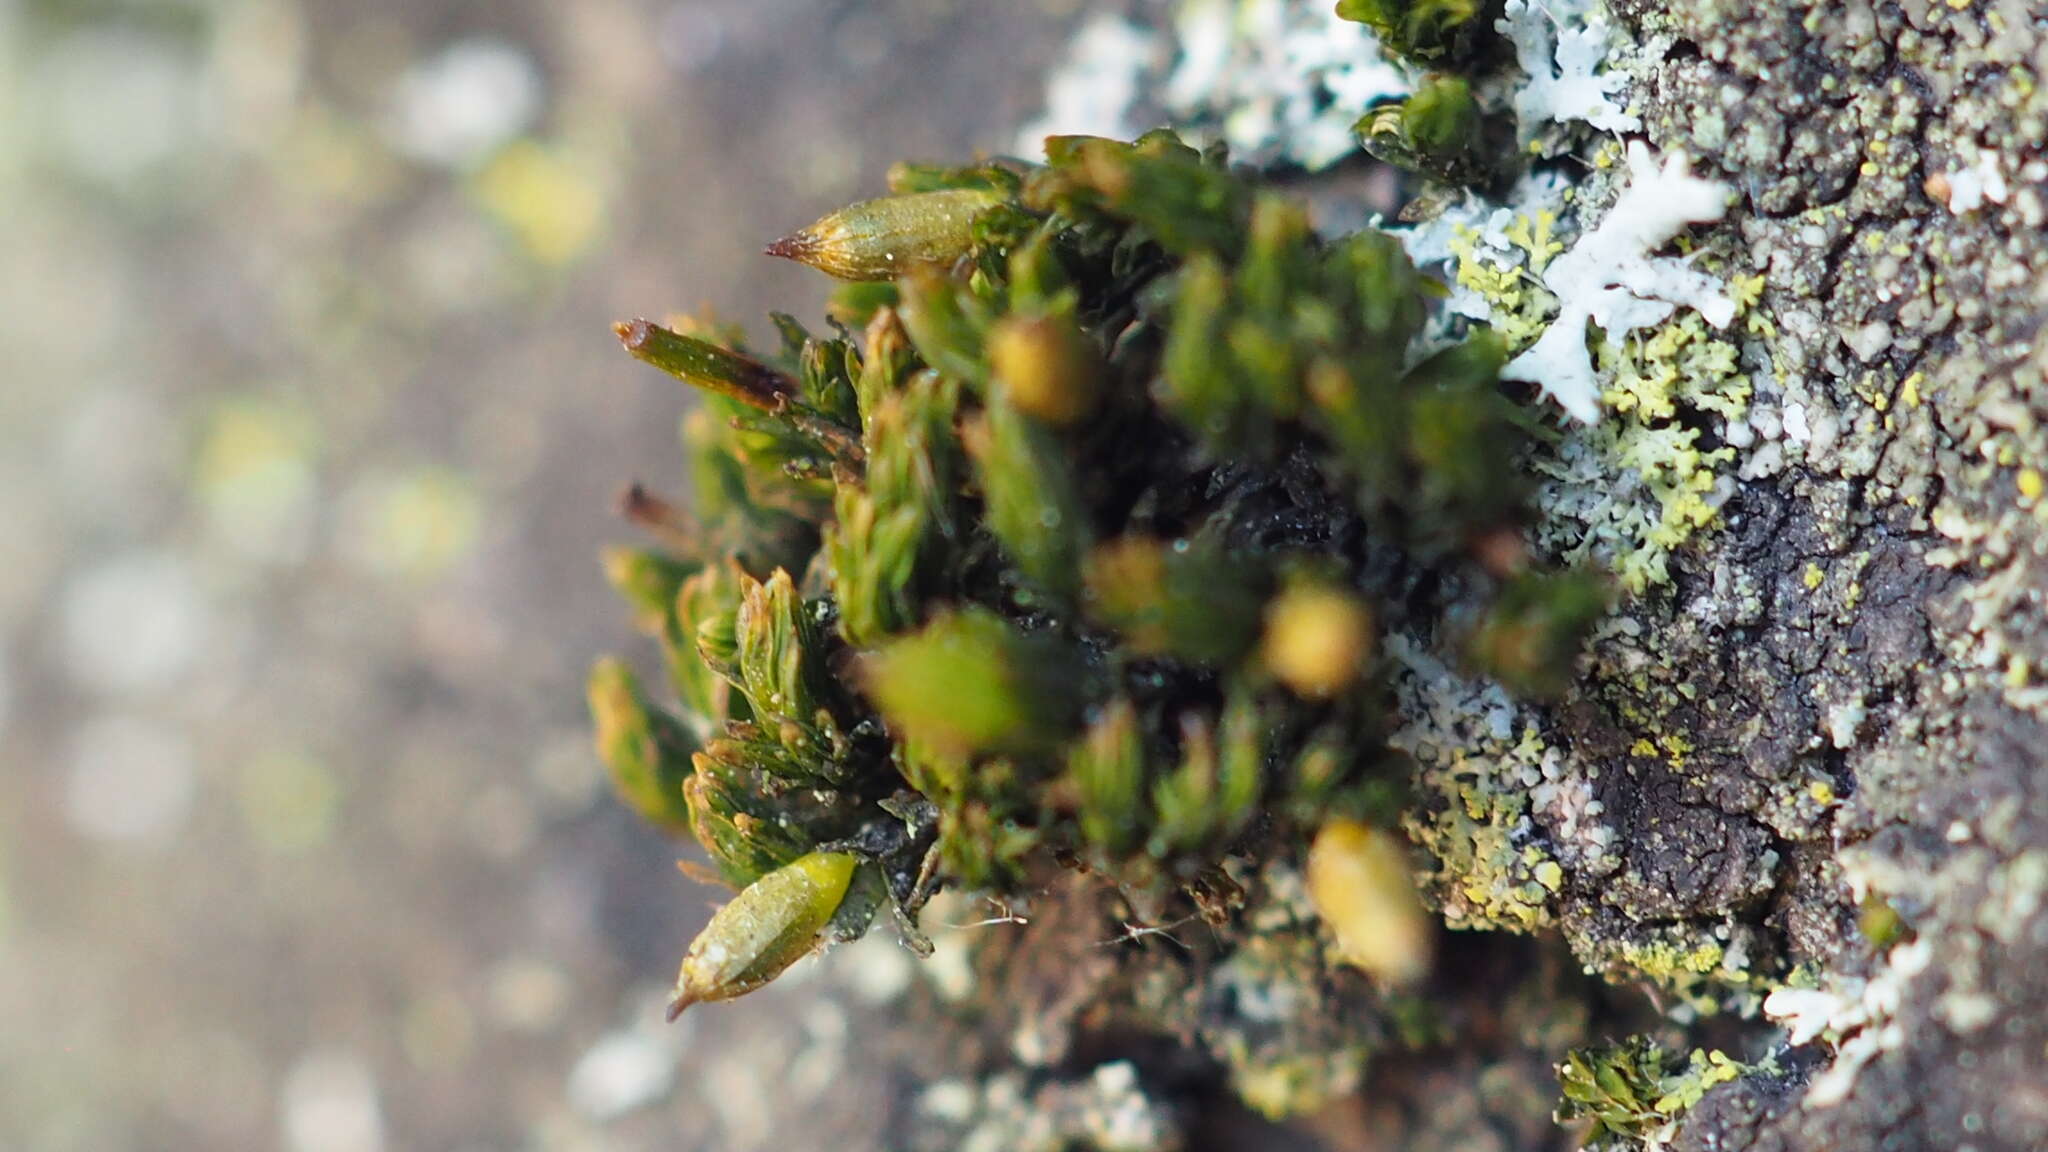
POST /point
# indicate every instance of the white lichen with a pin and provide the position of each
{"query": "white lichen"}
(1109, 1110)
(1610, 278)
(1859, 1017)
(1561, 45)
(1282, 76)
(1480, 760)
(1095, 90)
(1276, 80)
(1565, 806)
(1435, 241)
(1796, 429)
(1970, 187)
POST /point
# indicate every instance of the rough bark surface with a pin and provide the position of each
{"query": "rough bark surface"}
(1907, 320)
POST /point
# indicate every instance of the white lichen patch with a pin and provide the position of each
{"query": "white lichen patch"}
(1094, 91)
(1566, 807)
(1561, 46)
(1611, 277)
(1969, 187)
(1283, 75)
(1470, 217)
(1109, 1110)
(1276, 80)
(1625, 491)
(1858, 1016)
(1630, 490)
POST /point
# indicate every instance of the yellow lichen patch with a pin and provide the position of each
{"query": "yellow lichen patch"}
(1533, 235)
(1520, 306)
(416, 524)
(1485, 876)
(1670, 747)
(1682, 368)
(1662, 961)
(1746, 291)
(1688, 964)
(255, 470)
(546, 201)
(1813, 577)
(1676, 748)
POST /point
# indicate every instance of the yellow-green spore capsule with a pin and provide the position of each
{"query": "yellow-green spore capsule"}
(1359, 882)
(882, 239)
(1318, 639)
(1049, 370)
(770, 925)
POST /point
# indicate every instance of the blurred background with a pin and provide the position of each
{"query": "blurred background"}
(310, 423)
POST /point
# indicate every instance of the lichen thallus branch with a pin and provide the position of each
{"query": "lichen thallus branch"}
(1070, 547)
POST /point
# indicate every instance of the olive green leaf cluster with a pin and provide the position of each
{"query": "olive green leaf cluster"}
(1427, 32)
(1444, 131)
(1637, 1087)
(1440, 132)
(1066, 547)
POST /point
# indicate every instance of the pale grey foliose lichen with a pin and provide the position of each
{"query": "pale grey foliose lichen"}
(1611, 278)
(1279, 81)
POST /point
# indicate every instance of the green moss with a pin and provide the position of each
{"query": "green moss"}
(1441, 132)
(1427, 31)
(1635, 1091)
(927, 613)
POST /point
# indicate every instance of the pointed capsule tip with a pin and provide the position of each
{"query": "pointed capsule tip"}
(683, 1000)
(795, 246)
(632, 499)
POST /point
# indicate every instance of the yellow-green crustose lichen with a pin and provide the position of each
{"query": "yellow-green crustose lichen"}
(1631, 488)
(1477, 770)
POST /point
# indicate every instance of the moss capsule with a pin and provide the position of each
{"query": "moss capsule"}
(1317, 640)
(1050, 372)
(1359, 881)
(772, 924)
(882, 239)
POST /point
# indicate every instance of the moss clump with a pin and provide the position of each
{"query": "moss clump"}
(1070, 545)
(1636, 1090)
(1440, 132)
(1428, 32)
